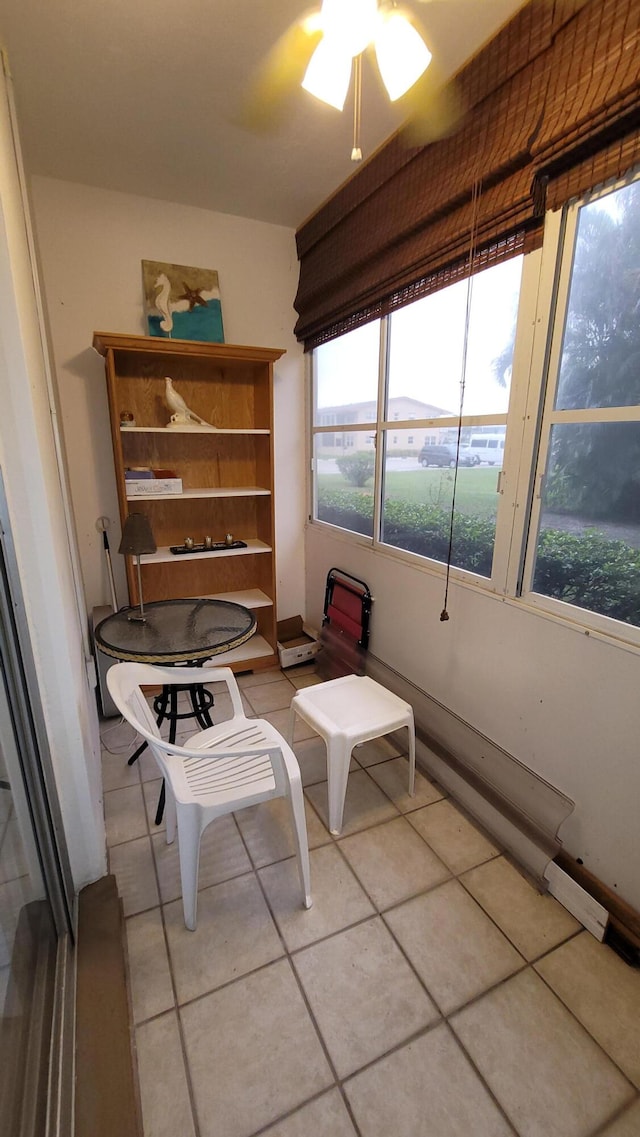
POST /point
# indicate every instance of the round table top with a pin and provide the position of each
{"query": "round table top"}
(176, 631)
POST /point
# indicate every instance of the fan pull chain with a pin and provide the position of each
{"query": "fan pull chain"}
(356, 153)
(475, 199)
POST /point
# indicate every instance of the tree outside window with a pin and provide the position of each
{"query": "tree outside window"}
(588, 543)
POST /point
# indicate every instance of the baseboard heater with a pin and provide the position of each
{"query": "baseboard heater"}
(521, 810)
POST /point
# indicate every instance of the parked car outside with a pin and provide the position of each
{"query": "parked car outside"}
(445, 456)
(487, 448)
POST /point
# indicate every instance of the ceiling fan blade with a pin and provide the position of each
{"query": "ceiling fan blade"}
(434, 108)
(279, 76)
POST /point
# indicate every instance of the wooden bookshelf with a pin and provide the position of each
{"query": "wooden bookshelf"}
(227, 474)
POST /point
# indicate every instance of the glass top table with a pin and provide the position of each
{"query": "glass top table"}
(176, 631)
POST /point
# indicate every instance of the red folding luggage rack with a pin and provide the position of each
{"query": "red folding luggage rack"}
(345, 625)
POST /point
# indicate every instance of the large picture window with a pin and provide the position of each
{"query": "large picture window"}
(586, 521)
(444, 356)
(495, 424)
(450, 355)
(345, 413)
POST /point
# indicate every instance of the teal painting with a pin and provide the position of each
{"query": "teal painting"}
(182, 302)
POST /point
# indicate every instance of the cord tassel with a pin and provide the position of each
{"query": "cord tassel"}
(356, 153)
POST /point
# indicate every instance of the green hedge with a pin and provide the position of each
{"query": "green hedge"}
(587, 570)
(590, 571)
(422, 529)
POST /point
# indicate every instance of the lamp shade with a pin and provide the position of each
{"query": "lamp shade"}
(137, 537)
(328, 74)
(349, 26)
(401, 53)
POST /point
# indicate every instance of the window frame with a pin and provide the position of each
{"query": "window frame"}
(544, 297)
(564, 223)
(387, 425)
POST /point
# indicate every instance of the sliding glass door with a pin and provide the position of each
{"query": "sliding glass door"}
(35, 885)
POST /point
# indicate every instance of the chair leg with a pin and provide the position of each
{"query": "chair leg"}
(189, 851)
(170, 814)
(296, 800)
(338, 759)
(292, 725)
(412, 757)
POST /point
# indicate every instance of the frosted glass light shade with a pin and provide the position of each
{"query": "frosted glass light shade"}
(401, 53)
(328, 74)
(350, 24)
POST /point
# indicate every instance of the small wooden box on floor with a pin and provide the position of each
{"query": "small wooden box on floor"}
(296, 642)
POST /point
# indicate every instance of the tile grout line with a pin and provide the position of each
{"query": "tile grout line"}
(303, 995)
(443, 1019)
(535, 958)
(176, 1005)
(337, 1079)
(176, 1009)
(377, 914)
(289, 955)
(575, 1017)
(482, 1079)
(602, 1129)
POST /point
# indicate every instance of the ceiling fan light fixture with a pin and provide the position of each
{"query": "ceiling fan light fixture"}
(328, 74)
(350, 24)
(401, 53)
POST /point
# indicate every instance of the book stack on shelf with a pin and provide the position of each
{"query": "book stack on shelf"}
(141, 481)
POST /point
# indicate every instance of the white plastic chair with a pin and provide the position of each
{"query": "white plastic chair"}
(346, 712)
(235, 764)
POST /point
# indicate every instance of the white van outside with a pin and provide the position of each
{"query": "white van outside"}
(487, 448)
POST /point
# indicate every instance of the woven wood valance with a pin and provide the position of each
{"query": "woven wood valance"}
(428, 259)
(553, 100)
(590, 131)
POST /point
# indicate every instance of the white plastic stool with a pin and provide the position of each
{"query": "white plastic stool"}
(345, 712)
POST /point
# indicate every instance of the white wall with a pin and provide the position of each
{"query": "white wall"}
(564, 703)
(91, 243)
(37, 517)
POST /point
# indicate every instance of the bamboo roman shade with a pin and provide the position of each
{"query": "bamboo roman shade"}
(590, 130)
(554, 99)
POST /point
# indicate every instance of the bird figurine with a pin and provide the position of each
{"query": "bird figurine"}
(181, 416)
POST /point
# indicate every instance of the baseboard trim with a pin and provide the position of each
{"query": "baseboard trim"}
(107, 1101)
(624, 919)
(518, 808)
(530, 854)
(577, 900)
(523, 810)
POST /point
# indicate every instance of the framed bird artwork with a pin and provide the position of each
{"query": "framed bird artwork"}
(182, 302)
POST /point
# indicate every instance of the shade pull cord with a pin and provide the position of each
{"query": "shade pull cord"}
(475, 198)
(356, 153)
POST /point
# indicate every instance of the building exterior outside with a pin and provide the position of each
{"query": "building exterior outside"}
(401, 409)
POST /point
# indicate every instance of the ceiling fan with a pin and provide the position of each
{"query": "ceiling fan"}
(323, 49)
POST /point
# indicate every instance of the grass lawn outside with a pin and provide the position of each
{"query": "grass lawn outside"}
(476, 493)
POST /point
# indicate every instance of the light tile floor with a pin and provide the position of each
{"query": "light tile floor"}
(429, 992)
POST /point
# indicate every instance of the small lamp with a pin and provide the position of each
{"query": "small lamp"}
(137, 539)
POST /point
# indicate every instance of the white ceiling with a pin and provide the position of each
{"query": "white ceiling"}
(140, 96)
